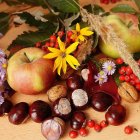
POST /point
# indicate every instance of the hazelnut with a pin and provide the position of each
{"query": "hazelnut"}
(56, 92)
(53, 128)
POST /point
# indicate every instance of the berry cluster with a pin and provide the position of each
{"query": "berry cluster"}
(52, 41)
(127, 75)
(108, 1)
(91, 124)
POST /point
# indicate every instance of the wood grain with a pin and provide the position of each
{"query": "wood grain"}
(32, 131)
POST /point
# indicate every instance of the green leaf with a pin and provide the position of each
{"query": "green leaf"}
(68, 21)
(123, 8)
(136, 56)
(66, 6)
(4, 22)
(137, 3)
(11, 2)
(29, 39)
(29, 19)
(94, 8)
(117, 80)
(95, 39)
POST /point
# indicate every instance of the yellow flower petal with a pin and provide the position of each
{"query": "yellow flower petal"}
(57, 63)
(59, 68)
(70, 63)
(64, 65)
(54, 50)
(82, 38)
(61, 44)
(85, 31)
(50, 55)
(73, 60)
(72, 48)
(78, 27)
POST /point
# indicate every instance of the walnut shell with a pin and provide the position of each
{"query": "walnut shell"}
(56, 92)
(128, 92)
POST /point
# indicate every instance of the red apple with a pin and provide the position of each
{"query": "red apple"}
(28, 72)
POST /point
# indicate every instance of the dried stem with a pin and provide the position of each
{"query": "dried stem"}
(108, 35)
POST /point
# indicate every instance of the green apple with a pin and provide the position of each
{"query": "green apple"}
(130, 35)
(28, 72)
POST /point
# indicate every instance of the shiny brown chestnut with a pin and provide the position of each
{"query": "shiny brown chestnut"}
(79, 98)
(62, 108)
(100, 101)
(18, 113)
(116, 115)
(5, 107)
(39, 111)
(74, 82)
(78, 120)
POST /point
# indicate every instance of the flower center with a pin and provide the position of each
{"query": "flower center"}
(4, 65)
(63, 54)
(109, 68)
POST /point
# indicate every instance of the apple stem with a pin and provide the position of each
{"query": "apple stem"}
(27, 57)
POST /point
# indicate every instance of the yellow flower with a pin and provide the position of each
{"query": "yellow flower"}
(63, 56)
(80, 33)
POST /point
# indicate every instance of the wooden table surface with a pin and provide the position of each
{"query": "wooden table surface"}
(32, 131)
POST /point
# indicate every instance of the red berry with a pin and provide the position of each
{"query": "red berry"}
(138, 86)
(90, 123)
(47, 44)
(73, 134)
(60, 33)
(44, 48)
(132, 82)
(119, 61)
(52, 44)
(103, 123)
(52, 38)
(121, 77)
(128, 130)
(106, 1)
(56, 45)
(38, 44)
(128, 70)
(113, 1)
(122, 70)
(137, 81)
(68, 40)
(132, 76)
(83, 132)
(69, 33)
(127, 78)
(97, 127)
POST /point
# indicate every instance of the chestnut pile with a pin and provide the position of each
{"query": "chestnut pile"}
(66, 101)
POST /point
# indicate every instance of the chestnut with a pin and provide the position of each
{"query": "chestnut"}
(39, 111)
(79, 98)
(53, 128)
(115, 115)
(5, 107)
(78, 120)
(100, 101)
(18, 113)
(74, 82)
(62, 108)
